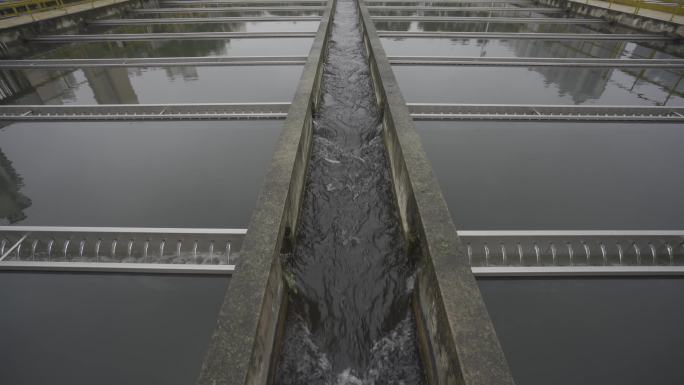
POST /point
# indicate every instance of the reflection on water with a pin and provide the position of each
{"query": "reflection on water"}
(455, 4)
(271, 26)
(151, 85)
(556, 85)
(225, 13)
(510, 12)
(12, 201)
(178, 48)
(514, 48)
(140, 174)
(540, 85)
(548, 176)
(418, 26)
(349, 274)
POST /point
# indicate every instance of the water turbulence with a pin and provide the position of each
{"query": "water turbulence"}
(349, 274)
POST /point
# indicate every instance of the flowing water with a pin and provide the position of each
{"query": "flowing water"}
(349, 319)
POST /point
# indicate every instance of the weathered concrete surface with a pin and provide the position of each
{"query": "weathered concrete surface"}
(462, 346)
(242, 344)
(645, 20)
(13, 31)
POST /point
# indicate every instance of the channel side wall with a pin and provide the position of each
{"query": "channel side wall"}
(458, 341)
(242, 346)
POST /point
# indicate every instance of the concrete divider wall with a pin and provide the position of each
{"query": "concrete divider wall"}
(458, 344)
(242, 345)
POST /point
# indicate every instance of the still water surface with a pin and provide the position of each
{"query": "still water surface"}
(589, 331)
(255, 26)
(140, 174)
(105, 329)
(540, 85)
(519, 175)
(178, 48)
(519, 48)
(143, 85)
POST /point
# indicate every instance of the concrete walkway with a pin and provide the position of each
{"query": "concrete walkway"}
(19, 21)
(652, 14)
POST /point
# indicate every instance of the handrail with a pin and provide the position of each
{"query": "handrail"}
(670, 7)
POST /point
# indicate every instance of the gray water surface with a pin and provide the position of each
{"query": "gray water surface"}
(558, 176)
(587, 331)
(105, 329)
(143, 85)
(519, 48)
(251, 26)
(540, 85)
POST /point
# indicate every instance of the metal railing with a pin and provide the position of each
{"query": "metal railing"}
(140, 112)
(395, 8)
(419, 111)
(312, 8)
(29, 7)
(670, 7)
(495, 20)
(18, 8)
(202, 20)
(104, 37)
(195, 61)
(119, 248)
(570, 113)
(574, 248)
(637, 37)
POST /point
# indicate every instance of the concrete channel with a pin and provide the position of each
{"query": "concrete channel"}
(460, 273)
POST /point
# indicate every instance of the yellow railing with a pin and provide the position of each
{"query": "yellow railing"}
(22, 7)
(670, 7)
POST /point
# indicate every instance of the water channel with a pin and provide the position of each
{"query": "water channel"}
(350, 276)
(349, 273)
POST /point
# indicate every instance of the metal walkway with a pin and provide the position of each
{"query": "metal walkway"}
(241, 2)
(119, 249)
(139, 112)
(534, 62)
(169, 36)
(454, 2)
(200, 61)
(526, 36)
(577, 271)
(497, 20)
(201, 20)
(463, 9)
(203, 61)
(226, 9)
(571, 248)
(512, 112)
(213, 251)
(220, 111)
